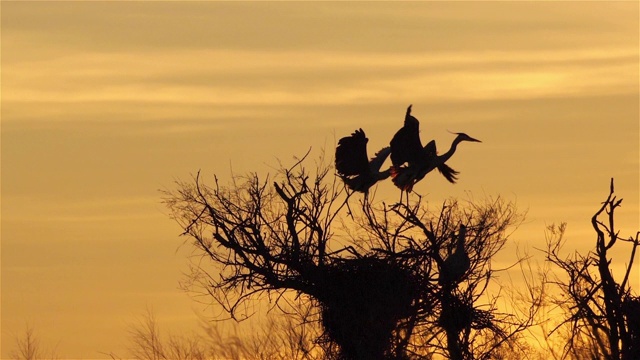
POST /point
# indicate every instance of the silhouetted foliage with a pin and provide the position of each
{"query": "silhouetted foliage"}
(603, 313)
(378, 278)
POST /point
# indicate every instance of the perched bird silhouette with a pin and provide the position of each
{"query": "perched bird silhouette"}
(406, 148)
(457, 264)
(353, 165)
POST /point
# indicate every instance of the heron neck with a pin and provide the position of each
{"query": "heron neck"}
(444, 157)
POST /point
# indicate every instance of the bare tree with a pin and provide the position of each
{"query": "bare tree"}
(449, 252)
(146, 343)
(412, 277)
(29, 347)
(279, 338)
(603, 313)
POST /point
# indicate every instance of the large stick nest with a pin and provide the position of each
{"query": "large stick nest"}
(362, 300)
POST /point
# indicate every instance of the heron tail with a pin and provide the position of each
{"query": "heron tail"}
(449, 174)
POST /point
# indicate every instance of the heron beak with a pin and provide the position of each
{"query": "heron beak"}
(467, 137)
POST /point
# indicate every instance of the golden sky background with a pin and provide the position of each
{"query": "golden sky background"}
(105, 103)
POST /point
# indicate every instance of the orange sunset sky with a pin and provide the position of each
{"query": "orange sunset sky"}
(106, 103)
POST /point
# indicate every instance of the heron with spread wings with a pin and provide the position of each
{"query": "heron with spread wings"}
(353, 165)
(412, 162)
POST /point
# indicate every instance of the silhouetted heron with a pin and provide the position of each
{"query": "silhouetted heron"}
(353, 164)
(406, 147)
(456, 265)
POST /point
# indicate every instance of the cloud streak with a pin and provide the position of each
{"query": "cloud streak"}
(105, 102)
(305, 78)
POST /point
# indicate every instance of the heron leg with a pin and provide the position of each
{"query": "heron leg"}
(365, 202)
(404, 192)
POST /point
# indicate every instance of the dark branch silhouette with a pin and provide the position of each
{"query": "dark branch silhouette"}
(603, 314)
(388, 269)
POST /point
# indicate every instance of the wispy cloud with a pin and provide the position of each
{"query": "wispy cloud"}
(220, 77)
(105, 102)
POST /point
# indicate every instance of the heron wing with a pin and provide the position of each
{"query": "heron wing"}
(430, 149)
(405, 144)
(376, 162)
(351, 154)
